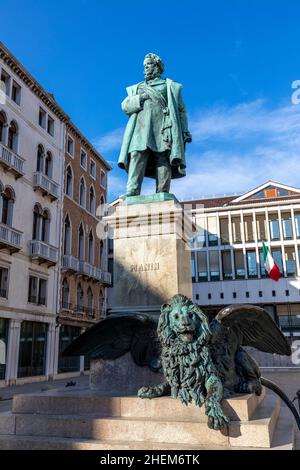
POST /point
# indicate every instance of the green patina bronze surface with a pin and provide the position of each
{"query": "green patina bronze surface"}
(157, 130)
(148, 199)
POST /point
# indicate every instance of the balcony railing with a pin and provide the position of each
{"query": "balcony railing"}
(11, 161)
(289, 321)
(70, 263)
(10, 238)
(46, 185)
(88, 270)
(43, 252)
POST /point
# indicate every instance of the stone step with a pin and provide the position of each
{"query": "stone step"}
(187, 431)
(87, 402)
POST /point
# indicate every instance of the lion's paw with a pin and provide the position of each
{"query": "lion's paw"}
(146, 392)
(216, 418)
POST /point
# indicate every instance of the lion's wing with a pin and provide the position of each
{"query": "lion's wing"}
(115, 336)
(256, 327)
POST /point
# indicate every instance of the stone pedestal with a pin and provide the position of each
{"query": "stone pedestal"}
(152, 259)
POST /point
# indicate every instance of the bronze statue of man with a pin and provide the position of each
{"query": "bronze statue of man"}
(157, 130)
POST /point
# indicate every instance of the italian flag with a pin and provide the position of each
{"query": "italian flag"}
(270, 265)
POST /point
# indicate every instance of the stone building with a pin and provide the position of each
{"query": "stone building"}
(40, 267)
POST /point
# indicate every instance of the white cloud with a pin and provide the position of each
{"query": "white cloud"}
(110, 141)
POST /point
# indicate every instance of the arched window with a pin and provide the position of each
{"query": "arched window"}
(79, 298)
(82, 193)
(67, 238)
(12, 141)
(101, 255)
(2, 127)
(91, 248)
(90, 300)
(92, 200)
(7, 206)
(101, 303)
(69, 182)
(65, 295)
(46, 226)
(37, 219)
(40, 159)
(48, 165)
(81, 243)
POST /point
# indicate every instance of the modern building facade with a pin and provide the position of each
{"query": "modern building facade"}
(227, 259)
(34, 144)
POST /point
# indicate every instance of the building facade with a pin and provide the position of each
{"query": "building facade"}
(34, 253)
(227, 259)
(85, 276)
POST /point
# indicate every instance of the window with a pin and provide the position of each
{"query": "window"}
(3, 346)
(263, 272)
(297, 224)
(287, 226)
(261, 227)
(193, 265)
(7, 205)
(79, 299)
(239, 264)
(83, 159)
(199, 237)
(101, 303)
(274, 227)
(111, 269)
(69, 182)
(92, 200)
(248, 228)
(40, 159)
(16, 93)
(81, 243)
(214, 265)
(41, 224)
(48, 165)
(5, 78)
(224, 231)
(290, 261)
(65, 295)
(12, 142)
(226, 265)
(93, 169)
(45, 226)
(202, 266)
(103, 179)
(32, 355)
(90, 300)
(251, 263)
(70, 146)
(37, 290)
(101, 256)
(236, 229)
(82, 193)
(67, 237)
(67, 335)
(3, 282)
(91, 248)
(42, 118)
(212, 231)
(50, 126)
(2, 127)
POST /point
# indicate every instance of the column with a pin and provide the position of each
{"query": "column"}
(13, 348)
(50, 353)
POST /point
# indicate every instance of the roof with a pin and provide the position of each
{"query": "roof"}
(47, 98)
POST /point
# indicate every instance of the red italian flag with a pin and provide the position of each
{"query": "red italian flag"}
(270, 265)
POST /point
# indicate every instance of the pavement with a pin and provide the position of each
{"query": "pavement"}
(288, 380)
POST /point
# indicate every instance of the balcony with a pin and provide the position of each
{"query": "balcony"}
(89, 271)
(43, 252)
(44, 184)
(10, 238)
(78, 312)
(69, 263)
(11, 161)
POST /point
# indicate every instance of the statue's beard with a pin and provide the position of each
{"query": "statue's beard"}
(151, 75)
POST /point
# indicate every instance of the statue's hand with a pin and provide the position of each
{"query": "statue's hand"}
(187, 137)
(144, 97)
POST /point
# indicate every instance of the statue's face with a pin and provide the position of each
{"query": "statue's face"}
(150, 69)
(185, 323)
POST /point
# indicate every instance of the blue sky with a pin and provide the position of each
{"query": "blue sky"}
(236, 59)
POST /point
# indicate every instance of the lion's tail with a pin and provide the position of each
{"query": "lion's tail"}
(272, 386)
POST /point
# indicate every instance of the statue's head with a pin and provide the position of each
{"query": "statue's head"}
(153, 66)
(182, 320)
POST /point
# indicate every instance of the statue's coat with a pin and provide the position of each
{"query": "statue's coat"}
(131, 106)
